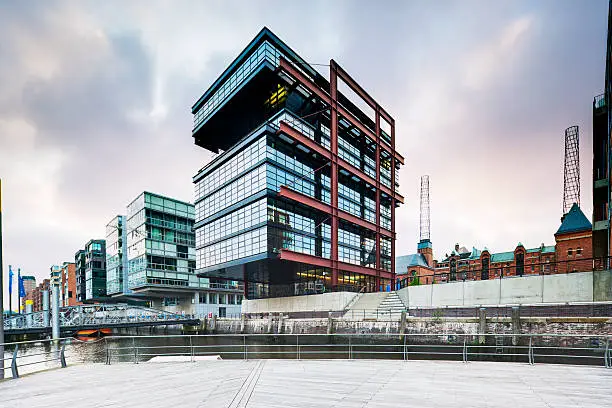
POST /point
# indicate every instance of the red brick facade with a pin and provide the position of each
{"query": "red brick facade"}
(572, 252)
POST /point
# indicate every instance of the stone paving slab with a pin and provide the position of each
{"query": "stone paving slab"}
(313, 383)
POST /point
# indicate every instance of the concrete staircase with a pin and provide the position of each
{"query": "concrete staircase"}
(376, 306)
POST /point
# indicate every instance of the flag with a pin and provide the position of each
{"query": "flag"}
(22, 292)
(10, 280)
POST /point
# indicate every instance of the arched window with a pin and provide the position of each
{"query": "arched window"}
(520, 263)
(578, 251)
(570, 252)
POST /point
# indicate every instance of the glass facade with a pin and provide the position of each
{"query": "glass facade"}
(255, 218)
(116, 256)
(161, 243)
(95, 269)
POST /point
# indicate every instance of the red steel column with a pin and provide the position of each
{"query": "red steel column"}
(333, 91)
(377, 114)
(393, 170)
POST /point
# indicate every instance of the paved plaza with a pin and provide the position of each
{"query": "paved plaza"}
(313, 383)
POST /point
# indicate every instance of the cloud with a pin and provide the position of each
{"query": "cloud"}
(96, 97)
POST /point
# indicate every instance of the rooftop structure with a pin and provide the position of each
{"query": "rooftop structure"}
(303, 197)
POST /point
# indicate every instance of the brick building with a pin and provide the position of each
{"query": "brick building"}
(69, 285)
(572, 252)
(29, 283)
(37, 295)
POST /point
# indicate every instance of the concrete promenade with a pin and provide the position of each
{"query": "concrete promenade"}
(312, 383)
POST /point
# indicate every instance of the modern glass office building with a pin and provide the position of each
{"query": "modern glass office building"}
(95, 269)
(80, 263)
(116, 257)
(302, 199)
(161, 259)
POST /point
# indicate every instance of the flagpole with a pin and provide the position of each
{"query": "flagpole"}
(19, 290)
(1, 294)
(10, 290)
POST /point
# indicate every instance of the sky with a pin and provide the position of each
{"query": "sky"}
(95, 102)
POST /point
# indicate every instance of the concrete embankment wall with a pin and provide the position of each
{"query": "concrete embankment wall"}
(326, 302)
(532, 290)
(446, 326)
(562, 288)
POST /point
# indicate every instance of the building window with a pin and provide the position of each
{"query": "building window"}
(578, 251)
(212, 298)
(570, 252)
(203, 298)
(484, 273)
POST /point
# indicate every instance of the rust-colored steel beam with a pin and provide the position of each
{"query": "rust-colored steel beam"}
(296, 196)
(299, 137)
(311, 86)
(362, 92)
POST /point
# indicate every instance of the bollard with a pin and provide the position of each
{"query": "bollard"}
(14, 370)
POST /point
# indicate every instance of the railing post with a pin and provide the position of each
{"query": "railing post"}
(297, 342)
(14, 370)
(135, 350)
(607, 356)
(63, 356)
(405, 354)
(530, 351)
(465, 356)
(191, 347)
(350, 349)
(246, 352)
(107, 352)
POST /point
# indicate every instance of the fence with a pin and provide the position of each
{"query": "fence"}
(547, 348)
(56, 353)
(525, 348)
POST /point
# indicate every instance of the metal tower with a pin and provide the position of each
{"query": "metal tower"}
(424, 228)
(571, 171)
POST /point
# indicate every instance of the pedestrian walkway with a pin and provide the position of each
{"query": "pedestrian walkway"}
(312, 383)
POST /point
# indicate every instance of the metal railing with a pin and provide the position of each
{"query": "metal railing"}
(502, 347)
(528, 348)
(19, 354)
(76, 316)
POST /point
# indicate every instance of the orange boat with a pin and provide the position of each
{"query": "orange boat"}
(92, 334)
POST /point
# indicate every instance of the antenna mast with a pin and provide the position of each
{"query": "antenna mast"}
(424, 227)
(571, 171)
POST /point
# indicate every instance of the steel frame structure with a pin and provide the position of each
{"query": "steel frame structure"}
(331, 100)
(571, 169)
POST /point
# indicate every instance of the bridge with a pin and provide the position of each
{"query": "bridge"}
(95, 316)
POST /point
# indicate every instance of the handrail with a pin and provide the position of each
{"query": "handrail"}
(347, 346)
(15, 365)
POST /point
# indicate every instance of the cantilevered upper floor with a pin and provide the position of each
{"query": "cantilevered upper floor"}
(255, 87)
